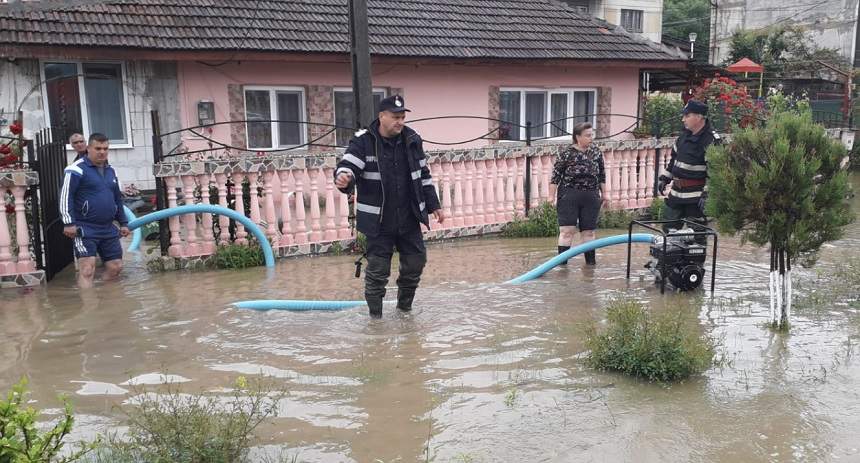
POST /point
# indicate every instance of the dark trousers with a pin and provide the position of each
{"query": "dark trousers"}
(413, 256)
(690, 212)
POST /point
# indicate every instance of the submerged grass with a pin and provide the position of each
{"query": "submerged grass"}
(658, 347)
(176, 427)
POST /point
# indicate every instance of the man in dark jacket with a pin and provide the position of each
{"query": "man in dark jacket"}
(90, 203)
(386, 164)
(688, 169)
(78, 144)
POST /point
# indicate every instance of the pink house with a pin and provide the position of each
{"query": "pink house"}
(103, 66)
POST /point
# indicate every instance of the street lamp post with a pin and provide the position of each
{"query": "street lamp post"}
(690, 66)
(692, 38)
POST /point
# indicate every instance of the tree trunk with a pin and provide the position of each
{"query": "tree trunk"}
(773, 288)
(787, 287)
(780, 287)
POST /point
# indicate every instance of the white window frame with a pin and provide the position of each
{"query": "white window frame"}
(633, 13)
(85, 117)
(571, 93)
(382, 90)
(273, 106)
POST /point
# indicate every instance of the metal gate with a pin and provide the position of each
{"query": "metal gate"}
(46, 155)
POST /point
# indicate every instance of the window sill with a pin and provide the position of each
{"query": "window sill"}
(111, 147)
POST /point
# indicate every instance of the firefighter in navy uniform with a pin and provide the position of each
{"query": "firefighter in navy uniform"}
(387, 165)
(688, 169)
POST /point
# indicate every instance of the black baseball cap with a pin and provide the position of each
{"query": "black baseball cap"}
(696, 107)
(394, 104)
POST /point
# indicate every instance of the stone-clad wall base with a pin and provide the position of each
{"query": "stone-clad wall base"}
(21, 280)
(162, 264)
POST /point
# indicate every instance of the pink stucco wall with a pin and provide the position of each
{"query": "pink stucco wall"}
(429, 89)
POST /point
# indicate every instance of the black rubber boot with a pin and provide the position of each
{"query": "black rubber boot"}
(375, 306)
(590, 258)
(562, 249)
(375, 279)
(411, 268)
(404, 299)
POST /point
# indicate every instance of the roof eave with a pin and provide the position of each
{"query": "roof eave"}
(96, 53)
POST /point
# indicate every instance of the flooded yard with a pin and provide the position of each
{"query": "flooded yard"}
(479, 372)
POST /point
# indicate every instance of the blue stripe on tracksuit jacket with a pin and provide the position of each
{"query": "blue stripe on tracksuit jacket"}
(91, 201)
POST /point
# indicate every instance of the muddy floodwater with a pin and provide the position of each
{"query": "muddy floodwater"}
(479, 372)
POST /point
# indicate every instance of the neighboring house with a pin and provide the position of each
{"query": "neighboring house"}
(108, 64)
(643, 17)
(832, 23)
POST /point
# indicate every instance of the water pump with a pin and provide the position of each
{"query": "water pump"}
(678, 256)
(682, 262)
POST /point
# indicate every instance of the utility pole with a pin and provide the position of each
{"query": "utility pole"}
(359, 52)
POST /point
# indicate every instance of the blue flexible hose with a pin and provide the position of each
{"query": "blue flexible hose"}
(532, 274)
(268, 254)
(136, 234)
(298, 305)
(577, 250)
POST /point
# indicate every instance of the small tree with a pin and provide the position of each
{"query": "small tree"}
(780, 185)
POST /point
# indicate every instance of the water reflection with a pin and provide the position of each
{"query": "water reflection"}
(479, 371)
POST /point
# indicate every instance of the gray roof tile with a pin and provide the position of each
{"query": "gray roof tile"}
(488, 29)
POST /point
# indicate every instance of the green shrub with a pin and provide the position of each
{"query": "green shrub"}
(359, 246)
(657, 210)
(149, 231)
(541, 221)
(663, 347)
(615, 218)
(661, 116)
(854, 156)
(236, 256)
(20, 439)
(176, 427)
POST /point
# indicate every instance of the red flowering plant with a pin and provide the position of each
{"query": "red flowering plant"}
(11, 146)
(729, 103)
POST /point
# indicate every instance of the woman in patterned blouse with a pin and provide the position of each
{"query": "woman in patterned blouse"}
(578, 189)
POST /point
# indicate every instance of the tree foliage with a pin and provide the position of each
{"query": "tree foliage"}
(780, 185)
(783, 50)
(680, 17)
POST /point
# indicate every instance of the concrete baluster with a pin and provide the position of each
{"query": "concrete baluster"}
(330, 228)
(469, 189)
(192, 247)
(175, 249)
(546, 176)
(269, 208)
(316, 226)
(458, 194)
(447, 170)
(25, 260)
(480, 216)
(208, 244)
(223, 221)
(286, 215)
(520, 185)
(239, 207)
(301, 228)
(7, 264)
